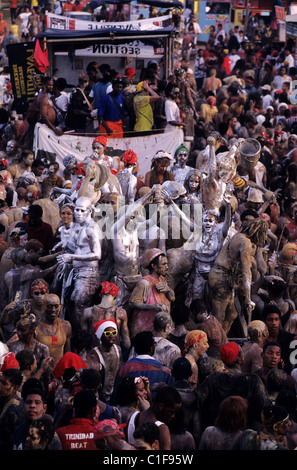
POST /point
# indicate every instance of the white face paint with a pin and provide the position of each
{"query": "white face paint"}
(98, 149)
(81, 212)
(208, 222)
(182, 158)
(10, 147)
(194, 182)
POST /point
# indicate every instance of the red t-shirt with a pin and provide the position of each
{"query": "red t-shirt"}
(78, 435)
(68, 7)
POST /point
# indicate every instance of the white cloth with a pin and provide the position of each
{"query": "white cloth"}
(172, 113)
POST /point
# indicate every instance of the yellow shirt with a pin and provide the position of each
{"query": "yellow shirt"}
(143, 112)
(15, 30)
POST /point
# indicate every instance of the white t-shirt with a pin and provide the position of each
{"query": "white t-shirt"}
(62, 101)
(267, 100)
(172, 113)
(24, 18)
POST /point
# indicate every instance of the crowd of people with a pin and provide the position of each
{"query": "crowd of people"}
(154, 314)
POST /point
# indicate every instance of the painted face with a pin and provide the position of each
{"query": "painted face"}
(98, 149)
(38, 297)
(24, 332)
(208, 222)
(193, 182)
(52, 308)
(49, 86)
(202, 346)
(182, 158)
(29, 159)
(10, 147)
(81, 213)
(162, 266)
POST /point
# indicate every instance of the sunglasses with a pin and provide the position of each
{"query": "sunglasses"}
(110, 333)
(38, 293)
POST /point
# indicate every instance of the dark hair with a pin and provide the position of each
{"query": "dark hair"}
(32, 384)
(36, 163)
(149, 432)
(34, 391)
(34, 245)
(25, 359)
(25, 153)
(287, 399)
(84, 402)
(270, 343)
(90, 379)
(198, 306)
(126, 392)
(232, 415)
(82, 340)
(143, 342)
(61, 84)
(15, 376)
(36, 210)
(272, 414)
(46, 80)
(249, 212)
(270, 308)
(167, 395)
(276, 380)
(180, 313)
(181, 369)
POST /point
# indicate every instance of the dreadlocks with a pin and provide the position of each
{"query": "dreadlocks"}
(256, 230)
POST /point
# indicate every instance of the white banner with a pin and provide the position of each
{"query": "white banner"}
(65, 22)
(131, 49)
(145, 147)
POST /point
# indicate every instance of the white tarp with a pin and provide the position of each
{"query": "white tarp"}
(65, 22)
(80, 146)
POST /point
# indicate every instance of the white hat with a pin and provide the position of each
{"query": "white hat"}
(190, 71)
(162, 154)
(266, 87)
(102, 325)
(255, 195)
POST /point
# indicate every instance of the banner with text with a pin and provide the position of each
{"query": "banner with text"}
(67, 23)
(21, 67)
(131, 49)
(49, 145)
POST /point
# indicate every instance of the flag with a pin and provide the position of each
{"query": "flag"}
(40, 58)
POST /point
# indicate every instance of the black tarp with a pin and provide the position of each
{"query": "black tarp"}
(109, 32)
(155, 3)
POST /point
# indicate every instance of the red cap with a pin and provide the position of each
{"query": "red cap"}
(101, 139)
(229, 352)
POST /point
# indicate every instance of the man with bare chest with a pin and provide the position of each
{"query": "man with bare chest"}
(46, 108)
(107, 310)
